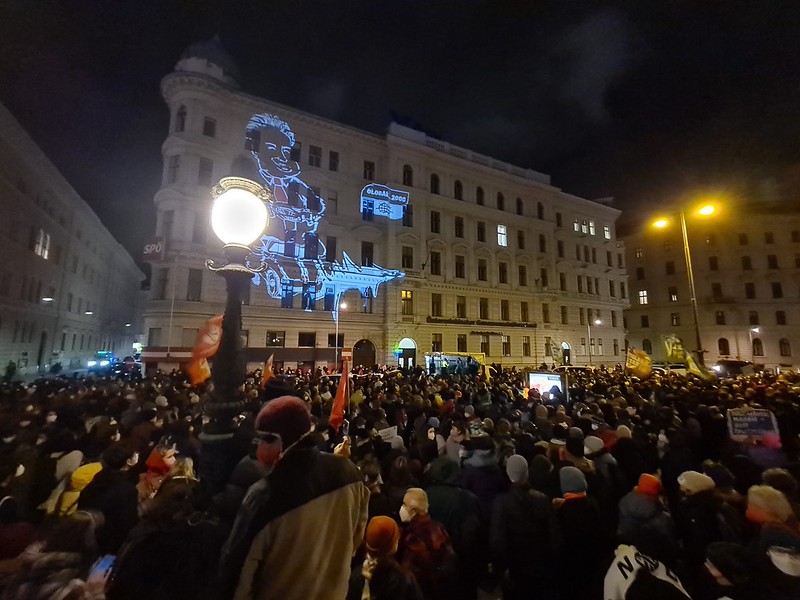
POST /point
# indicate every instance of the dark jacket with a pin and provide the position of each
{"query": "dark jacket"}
(113, 494)
(482, 477)
(586, 543)
(389, 582)
(697, 519)
(644, 523)
(425, 550)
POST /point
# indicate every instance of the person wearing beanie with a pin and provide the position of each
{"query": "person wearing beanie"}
(306, 495)
(586, 536)
(770, 510)
(381, 577)
(644, 523)
(524, 538)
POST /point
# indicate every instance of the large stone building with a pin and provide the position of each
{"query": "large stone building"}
(67, 288)
(746, 265)
(495, 259)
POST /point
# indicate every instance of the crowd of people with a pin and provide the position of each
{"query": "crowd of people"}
(434, 487)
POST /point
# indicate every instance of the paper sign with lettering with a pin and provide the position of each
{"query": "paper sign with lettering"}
(756, 424)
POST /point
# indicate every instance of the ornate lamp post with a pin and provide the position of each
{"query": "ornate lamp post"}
(238, 217)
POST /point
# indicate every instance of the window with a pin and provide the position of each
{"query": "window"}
(713, 263)
(461, 307)
(460, 268)
(594, 255)
(153, 337)
(613, 318)
(542, 243)
(408, 175)
(307, 299)
(180, 120)
(716, 290)
(520, 239)
(161, 285)
(668, 246)
(481, 231)
(436, 221)
(752, 317)
(458, 190)
(209, 127)
(504, 310)
(639, 273)
(523, 312)
(436, 305)
(638, 253)
(523, 275)
(479, 197)
(502, 272)
(482, 270)
(483, 308)
(41, 245)
(672, 292)
(502, 236)
(434, 183)
(333, 342)
(723, 346)
(501, 201)
(332, 203)
(758, 347)
(607, 232)
(459, 227)
(407, 302)
(785, 347)
(407, 257)
(711, 239)
(564, 315)
(205, 171)
(195, 285)
(777, 289)
(408, 216)
(584, 226)
(199, 229)
(485, 348)
(506, 343)
(314, 156)
(544, 277)
(772, 261)
(591, 228)
(173, 166)
(669, 267)
(368, 210)
(560, 248)
(582, 315)
(645, 321)
(719, 317)
(545, 312)
(579, 279)
(369, 170)
(612, 288)
(780, 317)
(330, 249)
(307, 339)
(367, 254)
(436, 263)
(520, 208)
(743, 239)
(675, 319)
(287, 294)
(461, 342)
(769, 237)
(750, 290)
(333, 161)
(589, 285)
(747, 263)
(642, 296)
(559, 220)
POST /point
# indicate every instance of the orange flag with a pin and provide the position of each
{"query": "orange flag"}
(198, 371)
(205, 345)
(342, 396)
(266, 373)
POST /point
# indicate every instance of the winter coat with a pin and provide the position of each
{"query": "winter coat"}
(586, 539)
(389, 582)
(698, 523)
(425, 550)
(113, 494)
(47, 575)
(482, 477)
(644, 523)
(630, 461)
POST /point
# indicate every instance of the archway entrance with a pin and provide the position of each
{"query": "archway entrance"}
(407, 357)
(566, 352)
(364, 354)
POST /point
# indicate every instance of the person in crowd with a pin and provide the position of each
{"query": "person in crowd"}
(308, 495)
(783, 481)
(644, 522)
(158, 464)
(769, 509)
(381, 577)
(635, 576)
(481, 473)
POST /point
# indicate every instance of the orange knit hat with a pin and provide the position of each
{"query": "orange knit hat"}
(649, 485)
(382, 535)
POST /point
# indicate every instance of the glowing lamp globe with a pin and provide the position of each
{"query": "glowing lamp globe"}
(238, 217)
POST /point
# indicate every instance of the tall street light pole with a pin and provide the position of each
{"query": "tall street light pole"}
(589, 334)
(238, 217)
(342, 306)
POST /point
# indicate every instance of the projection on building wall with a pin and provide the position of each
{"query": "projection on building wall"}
(295, 258)
(382, 201)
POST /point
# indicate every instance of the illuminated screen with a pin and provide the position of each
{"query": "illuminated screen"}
(544, 382)
(295, 257)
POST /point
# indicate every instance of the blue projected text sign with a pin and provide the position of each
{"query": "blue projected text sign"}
(383, 201)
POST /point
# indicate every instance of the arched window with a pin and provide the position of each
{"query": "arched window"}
(519, 206)
(723, 346)
(408, 175)
(501, 201)
(647, 346)
(180, 119)
(479, 199)
(540, 211)
(758, 347)
(458, 190)
(434, 183)
(785, 346)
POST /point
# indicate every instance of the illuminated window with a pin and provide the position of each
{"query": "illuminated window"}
(436, 342)
(408, 175)
(591, 228)
(369, 170)
(576, 225)
(407, 257)
(460, 267)
(180, 120)
(506, 340)
(407, 302)
(436, 305)
(458, 190)
(461, 307)
(333, 161)
(434, 183)
(41, 243)
(785, 347)
(482, 270)
(638, 253)
(523, 312)
(584, 226)
(502, 236)
(675, 319)
(481, 231)
(483, 308)
(308, 300)
(672, 293)
(642, 296)
(505, 314)
(459, 227)
(479, 197)
(502, 272)
(501, 201)
(436, 263)
(461, 342)
(209, 127)
(758, 347)
(607, 232)
(314, 156)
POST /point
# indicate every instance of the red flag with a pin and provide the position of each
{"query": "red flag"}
(266, 373)
(342, 396)
(207, 340)
(198, 371)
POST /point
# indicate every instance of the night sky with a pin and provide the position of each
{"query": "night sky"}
(647, 101)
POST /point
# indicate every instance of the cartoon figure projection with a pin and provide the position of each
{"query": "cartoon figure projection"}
(296, 261)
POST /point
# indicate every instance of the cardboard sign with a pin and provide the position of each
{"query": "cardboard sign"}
(757, 424)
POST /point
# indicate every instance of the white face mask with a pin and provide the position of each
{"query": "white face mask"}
(405, 516)
(51, 418)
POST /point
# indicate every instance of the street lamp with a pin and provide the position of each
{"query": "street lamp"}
(238, 217)
(589, 338)
(750, 332)
(661, 223)
(342, 306)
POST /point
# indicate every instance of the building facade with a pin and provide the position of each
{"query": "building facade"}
(476, 256)
(67, 288)
(746, 266)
